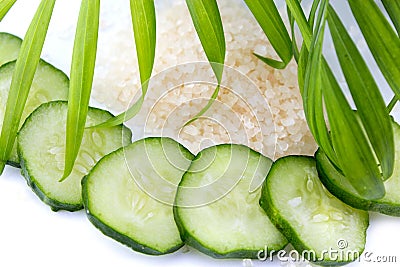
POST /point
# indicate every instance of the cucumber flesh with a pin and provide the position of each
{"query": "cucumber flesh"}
(338, 185)
(119, 202)
(41, 148)
(216, 206)
(48, 84)
(309, 216)
(9, 47)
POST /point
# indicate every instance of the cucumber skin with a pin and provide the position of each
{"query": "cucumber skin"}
(196, 244)
(108, 230)
(193, 242)
(354, 201)
(291, 235)
(54, 204)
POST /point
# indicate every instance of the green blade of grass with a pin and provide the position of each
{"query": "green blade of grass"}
(82, 71)
(268, 17)
(207, 22)
(382, 40)
(5, 5)
(393, 9)
(24, 72)
(366, 95)
(144, 29)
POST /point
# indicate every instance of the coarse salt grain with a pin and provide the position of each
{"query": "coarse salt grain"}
(271, 118)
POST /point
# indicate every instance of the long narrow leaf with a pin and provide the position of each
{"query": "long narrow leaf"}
(5, 5)
(207, 22)
(366, 95)
(393, 9)
(298, 14)
(301, 68)
(312, 91)
(82, 71)
(382, 40)
(392, 104)
(311, 17)
(144, 29)
(24, 72)
(295, 48)
(269, 19)
(311, 20)
(349, 141)
(359, 164)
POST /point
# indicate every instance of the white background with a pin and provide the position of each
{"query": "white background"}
(32, 235)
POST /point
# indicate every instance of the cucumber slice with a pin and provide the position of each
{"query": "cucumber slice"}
(9, 47)
(312, 219)
(129, 194)
(338, 185)
(216, 206)
(48, 84)
(41, 146)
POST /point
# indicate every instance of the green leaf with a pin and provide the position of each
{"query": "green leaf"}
(24, 72)
(301, 68)
(311, 89)
(370, 105)
(82, 71)
(5, 5)
(355, 159)
(351, 150)
(382, 40)
(144, 29)
(276, 64)
(295, 49)
(311, 20)
(393, 9)
(302, 58)
(392, 104)
(301, 20)
(311, 17)
(205, 108)
(269, 19)
(207, 22)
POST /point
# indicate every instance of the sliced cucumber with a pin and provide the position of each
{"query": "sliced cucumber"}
(338, 185)
(129, 194)
(41, 146)
(48, 84)
(216, 206)
(9, 47)
(311, 218)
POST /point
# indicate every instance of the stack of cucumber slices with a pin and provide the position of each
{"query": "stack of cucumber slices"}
(155, 196)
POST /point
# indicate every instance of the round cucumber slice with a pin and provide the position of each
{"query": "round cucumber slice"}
(41, 147)
(118, 203)
(9, 47)
(318, 225)
(216, 206)
(48, 84)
